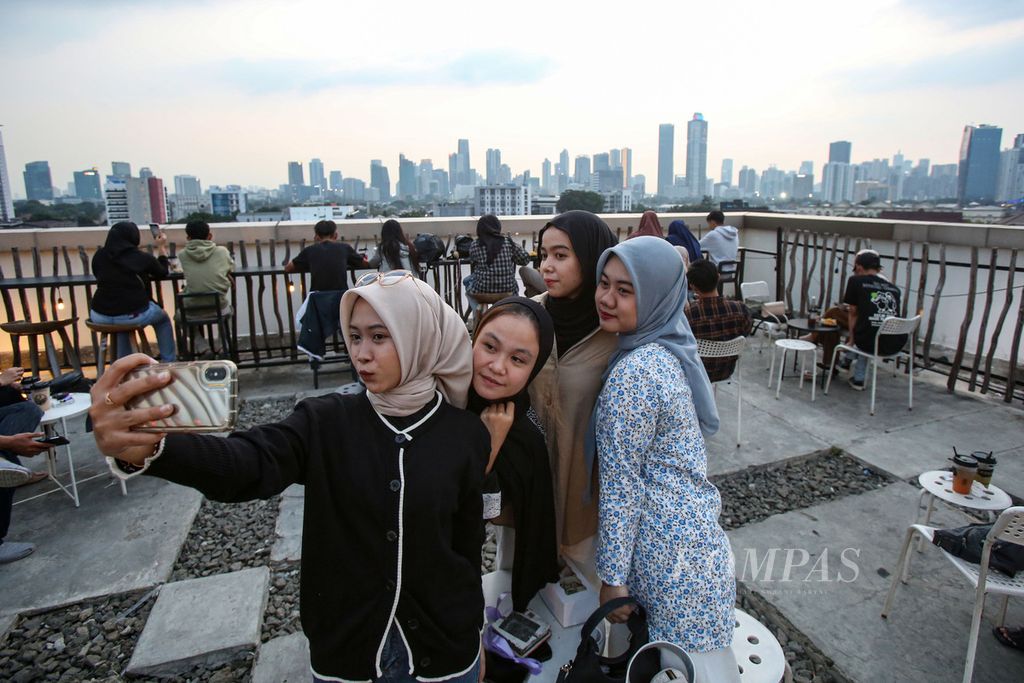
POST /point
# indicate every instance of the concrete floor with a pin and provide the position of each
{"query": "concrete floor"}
(112, 544)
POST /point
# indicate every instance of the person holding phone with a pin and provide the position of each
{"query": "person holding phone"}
(19, 420)
(391, 586)
(123, 275)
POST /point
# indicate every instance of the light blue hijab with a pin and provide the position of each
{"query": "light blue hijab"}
(659, 282)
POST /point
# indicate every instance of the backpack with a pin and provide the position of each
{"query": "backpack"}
(462, 245)
(430, 248)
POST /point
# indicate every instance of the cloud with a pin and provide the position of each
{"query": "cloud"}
(982, 65)
(969, 14)
(471, 70)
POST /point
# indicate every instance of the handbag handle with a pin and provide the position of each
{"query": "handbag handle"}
(604, 610)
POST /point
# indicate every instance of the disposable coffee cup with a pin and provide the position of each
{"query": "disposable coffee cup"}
(41, 397)
(986, 466)
(965, 467)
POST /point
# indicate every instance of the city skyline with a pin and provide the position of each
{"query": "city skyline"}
(219, 94)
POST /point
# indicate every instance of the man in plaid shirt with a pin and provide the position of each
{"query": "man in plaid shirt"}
(714, 317)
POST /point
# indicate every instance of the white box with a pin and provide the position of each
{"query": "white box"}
(571, 610)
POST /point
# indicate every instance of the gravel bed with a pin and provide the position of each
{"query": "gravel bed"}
(281, 617)
(252, 413)
(228, 537)
(757, 493)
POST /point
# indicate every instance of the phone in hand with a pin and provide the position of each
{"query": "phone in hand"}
(204, 394)
(155, 229)
(54, 441)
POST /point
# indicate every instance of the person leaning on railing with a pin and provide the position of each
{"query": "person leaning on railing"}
(123, 273)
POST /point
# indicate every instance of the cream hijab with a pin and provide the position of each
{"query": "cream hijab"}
(432, 342)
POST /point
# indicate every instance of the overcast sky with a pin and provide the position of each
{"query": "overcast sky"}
(232, 91)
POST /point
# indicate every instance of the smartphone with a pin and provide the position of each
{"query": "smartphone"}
(155, 229)
(54, 441)
(203, 392)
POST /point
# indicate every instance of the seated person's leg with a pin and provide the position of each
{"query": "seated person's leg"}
(161, 322)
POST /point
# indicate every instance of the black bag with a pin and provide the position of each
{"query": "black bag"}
(429, 248)
(589, 666)
(462, 245)
(966, 542)
(70, 382)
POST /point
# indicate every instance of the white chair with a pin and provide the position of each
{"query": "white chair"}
(891, 326)
(798, 347)
(726, 349)
(1009, 527)
(759, 655)
(769, 316)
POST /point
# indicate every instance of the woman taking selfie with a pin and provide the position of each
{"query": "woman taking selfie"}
(512, 342)
(660, 539)
(564, 392)
(390, 586)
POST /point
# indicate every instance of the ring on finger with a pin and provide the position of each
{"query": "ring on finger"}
(106, 399)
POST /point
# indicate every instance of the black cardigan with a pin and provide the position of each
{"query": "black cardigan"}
(122, 280)
(392, 528)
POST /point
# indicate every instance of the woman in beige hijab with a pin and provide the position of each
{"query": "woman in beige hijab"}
(393, 478)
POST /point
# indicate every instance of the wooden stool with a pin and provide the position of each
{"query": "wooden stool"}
(484, 301)
(109, 332)
(44, 329)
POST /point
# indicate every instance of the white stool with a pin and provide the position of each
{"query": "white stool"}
(758, 654)
(797, 346)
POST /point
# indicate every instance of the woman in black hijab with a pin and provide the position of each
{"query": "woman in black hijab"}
(123, 274)
(566, 389)
(494, 257)
(511, 344)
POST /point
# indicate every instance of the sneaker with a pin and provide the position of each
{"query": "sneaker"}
(857, 386)
(12, 475)
(12, 551)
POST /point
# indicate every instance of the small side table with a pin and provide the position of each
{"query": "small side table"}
(60, 413)
(798, 346)
(939, 484)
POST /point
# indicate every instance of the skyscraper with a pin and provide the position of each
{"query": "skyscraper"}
(145, 173)
(697, 155)
(88, 186)
(837, 182)
(6, 199)
(627, 167)
(380, 179)
(493, 166)
(316, 174)
(839, 151)
(157, 199)
(545, 175)
(616, 158)
(806, 168)
(187, 186)
(602, 162)
(666, 167)
(336, 180)
(979, 164)
(581, 176)
(38, 184)
(121, 169)
(407, 179)
(726, 172)
(295, 176)
(464, 172)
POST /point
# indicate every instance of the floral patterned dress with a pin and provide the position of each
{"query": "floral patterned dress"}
(659, 531)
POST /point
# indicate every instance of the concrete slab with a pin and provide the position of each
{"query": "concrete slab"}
(288, 546)
(207, 621)
(283, 660)
(110, 544)
(765, 438)
(840, 556)
(909, 450)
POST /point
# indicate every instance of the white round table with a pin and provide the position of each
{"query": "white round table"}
(939, 484)
(59, 413)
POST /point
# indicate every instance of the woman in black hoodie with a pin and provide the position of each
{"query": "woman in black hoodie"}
(123, 274)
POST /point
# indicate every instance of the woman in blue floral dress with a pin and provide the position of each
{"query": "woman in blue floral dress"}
(659, 536)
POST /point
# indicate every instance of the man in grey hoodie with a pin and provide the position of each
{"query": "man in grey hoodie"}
(722, 241)
(207, 268)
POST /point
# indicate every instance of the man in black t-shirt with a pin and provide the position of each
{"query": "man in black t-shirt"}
(326, 260)
(871, 299)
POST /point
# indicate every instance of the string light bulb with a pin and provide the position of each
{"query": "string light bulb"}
(60, 303)
(291, 286)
